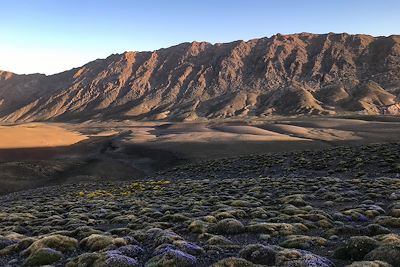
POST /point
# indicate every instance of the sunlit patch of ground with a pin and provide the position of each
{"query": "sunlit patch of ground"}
(37, 135)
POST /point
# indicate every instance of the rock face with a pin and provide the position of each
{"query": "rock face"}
(284, 74)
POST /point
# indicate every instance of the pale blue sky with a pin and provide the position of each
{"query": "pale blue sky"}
(50, 36)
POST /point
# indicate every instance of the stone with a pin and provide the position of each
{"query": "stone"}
(303, 242)
(389, 253)
(43, 256)
(369, 264)
(295, 257)
(233, 262)
(172, 257)
(58, 242)
(228, 226)
(356, 248)
(259, 254)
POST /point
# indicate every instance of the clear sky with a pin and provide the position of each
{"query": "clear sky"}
(49, 36)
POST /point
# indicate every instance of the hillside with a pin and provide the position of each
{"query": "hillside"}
(304, 208)
(284, 75)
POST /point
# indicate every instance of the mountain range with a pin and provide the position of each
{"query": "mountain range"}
(284, 75)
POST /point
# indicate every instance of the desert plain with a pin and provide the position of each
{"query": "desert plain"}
(287, 191)
(34, 154)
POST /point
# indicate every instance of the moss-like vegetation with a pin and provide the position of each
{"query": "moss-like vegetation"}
(247, 211)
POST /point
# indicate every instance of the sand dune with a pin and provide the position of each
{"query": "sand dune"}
(312, 133)
(37, 135)
(244, 129)
(285, 129)
(327, 123)
(223, 137)
(182, 128)
(205, 133)
(298, 130)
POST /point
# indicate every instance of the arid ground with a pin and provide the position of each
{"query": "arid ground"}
(37, 154)
(303, 191)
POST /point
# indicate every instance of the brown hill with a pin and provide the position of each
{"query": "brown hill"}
(370, 97)
(285, 74)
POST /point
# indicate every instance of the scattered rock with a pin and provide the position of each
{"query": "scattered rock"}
(172, 257)
(277, 228)
(293, 257)
(388, 253)
(57, 242)
(259, 254)
(369, 264)
(43, 256)
(96, 242)
(228, 226)
(356, 248)
(303, 242)
(233, 262)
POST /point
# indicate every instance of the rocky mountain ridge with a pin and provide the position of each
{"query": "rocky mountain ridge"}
(285, 74)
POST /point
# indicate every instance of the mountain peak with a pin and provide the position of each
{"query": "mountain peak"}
(311, 73)
(5, 75)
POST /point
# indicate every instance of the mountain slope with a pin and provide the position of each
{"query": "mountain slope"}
(285, 74)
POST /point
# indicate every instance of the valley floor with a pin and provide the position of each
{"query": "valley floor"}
(299, 192)
(42, 154)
